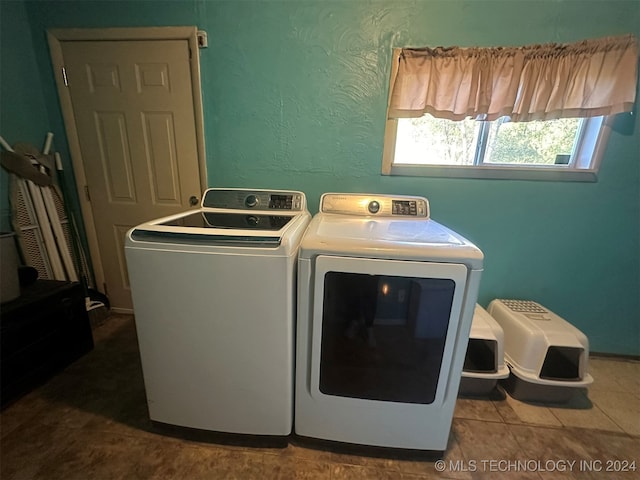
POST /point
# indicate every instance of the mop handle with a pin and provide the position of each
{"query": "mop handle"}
(56, 155)
(47, 144)
(5, 145)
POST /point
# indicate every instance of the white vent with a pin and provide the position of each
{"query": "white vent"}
(524, 306)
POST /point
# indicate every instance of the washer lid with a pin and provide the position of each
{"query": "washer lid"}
(213, 219)
(209, 227)
(231, 217)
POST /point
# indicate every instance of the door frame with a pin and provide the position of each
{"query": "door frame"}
(55, 38)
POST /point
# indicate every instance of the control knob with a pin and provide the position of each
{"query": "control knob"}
(373, 207)
(251, 201)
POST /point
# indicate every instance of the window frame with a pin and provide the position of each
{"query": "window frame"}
(583, 167)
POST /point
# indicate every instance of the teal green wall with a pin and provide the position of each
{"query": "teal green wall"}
(295, 97)
(23, 110)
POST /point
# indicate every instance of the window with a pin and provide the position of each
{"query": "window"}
(560, 149)
(534, 112)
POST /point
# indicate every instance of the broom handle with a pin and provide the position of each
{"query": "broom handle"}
(47, 143)
(5, 145)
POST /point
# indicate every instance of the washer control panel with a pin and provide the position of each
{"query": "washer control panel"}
(240, 199)
(375, 205)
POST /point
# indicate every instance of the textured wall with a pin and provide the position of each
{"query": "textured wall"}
(295, 95)
(23, 112)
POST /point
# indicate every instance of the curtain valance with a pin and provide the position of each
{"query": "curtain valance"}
(537, 82)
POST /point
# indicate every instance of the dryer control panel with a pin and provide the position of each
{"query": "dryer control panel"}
(375, 205)
(240, 199)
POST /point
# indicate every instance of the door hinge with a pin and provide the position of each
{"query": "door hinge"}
(104, 287)
(86, 193)
(64, 77)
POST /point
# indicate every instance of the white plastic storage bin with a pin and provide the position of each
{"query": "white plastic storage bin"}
(484, 362)
(548, 357)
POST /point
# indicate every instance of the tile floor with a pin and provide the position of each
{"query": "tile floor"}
(90, 422)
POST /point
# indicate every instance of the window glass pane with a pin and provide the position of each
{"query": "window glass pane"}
(548, 142)
(383, 337)
(430, 141)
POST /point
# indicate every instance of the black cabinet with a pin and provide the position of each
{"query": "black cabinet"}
(41, 332)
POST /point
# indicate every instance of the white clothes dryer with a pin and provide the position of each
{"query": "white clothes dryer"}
(214, 300)
(385, 301)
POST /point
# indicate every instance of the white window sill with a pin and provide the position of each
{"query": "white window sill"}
(551, 173)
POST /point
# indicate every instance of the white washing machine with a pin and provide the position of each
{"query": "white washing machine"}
(385, 301)
(214, 300)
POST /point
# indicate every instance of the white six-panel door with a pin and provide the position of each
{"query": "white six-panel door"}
(133, 111)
